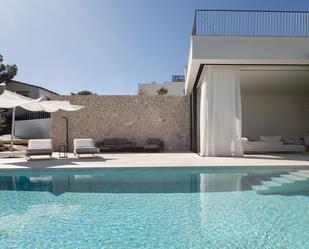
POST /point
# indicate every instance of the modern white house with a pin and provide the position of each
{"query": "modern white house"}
(248, 76)
(174, 87)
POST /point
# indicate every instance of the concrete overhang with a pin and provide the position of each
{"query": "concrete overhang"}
(244, 50)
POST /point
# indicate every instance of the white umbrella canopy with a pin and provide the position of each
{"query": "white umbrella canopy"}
(51, 106)
(9, 99)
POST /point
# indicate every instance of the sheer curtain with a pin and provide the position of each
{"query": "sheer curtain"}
(220, 111)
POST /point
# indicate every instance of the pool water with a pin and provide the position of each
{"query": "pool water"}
(150, 210)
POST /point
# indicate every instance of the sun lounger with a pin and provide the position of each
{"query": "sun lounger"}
(39, 147)
(85, 146)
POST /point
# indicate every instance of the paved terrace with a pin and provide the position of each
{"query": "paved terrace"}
(153, 161)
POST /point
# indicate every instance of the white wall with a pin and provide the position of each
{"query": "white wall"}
(34, 128)
(252, 49)
(284, 115)
(174, 88)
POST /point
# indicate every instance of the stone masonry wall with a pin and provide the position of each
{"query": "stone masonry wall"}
(134, 117)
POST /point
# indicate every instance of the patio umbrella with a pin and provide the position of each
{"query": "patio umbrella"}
(53, 106)
(12, 100)
(9, 100)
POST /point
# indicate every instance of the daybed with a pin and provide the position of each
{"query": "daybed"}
(271, 144)
(115, 144)
(39, 147)
(154, 145)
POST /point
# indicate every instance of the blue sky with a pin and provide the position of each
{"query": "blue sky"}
(106, 46)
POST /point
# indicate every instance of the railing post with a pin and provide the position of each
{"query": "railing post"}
(194, 24)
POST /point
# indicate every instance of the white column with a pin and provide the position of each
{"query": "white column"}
(220, 112)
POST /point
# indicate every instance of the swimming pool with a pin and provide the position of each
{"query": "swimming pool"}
(150, 209)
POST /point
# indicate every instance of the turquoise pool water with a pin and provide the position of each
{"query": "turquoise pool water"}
(150, 210)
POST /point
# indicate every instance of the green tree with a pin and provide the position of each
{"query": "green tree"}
(84, 92)
(162, 91)
(7, 72)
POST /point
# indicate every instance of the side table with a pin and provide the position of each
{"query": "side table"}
(63, 151)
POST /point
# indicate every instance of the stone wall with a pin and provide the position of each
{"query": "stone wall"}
(134, 117)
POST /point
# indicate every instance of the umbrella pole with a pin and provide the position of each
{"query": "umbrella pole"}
(13, 132)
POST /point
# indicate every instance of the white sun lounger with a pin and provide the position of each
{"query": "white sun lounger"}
(39, 147)
(85, 146)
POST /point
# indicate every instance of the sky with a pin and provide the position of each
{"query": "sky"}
(105, 46)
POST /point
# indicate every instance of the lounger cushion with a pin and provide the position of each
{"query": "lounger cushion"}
(109, 141)
(294, 148)
(260, 146)
(270, 138)
(151, 147)
(83, 142)
(33, 152)
(156, 141)
(268, 147)
(86, 150)
(40, 144)
(122, 141)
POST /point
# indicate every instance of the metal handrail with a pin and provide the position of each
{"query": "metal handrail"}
(251, 23)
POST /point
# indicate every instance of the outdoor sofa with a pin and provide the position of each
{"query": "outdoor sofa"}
(39, 147)
(115, 144)
(271, 144)
(83, 146)
(154, 145)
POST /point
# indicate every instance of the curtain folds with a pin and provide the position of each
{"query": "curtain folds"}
(220, 111)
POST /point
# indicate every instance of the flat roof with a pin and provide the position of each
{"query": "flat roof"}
(27, 84)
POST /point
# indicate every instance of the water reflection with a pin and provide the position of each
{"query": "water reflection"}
(134, 183)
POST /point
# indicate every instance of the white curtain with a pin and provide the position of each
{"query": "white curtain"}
(220, 111)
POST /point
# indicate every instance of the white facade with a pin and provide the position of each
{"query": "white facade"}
(33, 128)
(174, 88)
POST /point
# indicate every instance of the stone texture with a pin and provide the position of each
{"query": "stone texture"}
(134, 117)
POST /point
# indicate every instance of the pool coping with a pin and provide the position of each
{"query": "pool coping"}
(155, 169)
(152, 162)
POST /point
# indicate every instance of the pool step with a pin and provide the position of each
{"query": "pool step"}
(260, 188)
(304, 171)
(300, 174)
(292, 182)
(281, 180)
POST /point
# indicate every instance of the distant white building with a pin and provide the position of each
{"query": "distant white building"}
(28, 124)
(174, 87)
